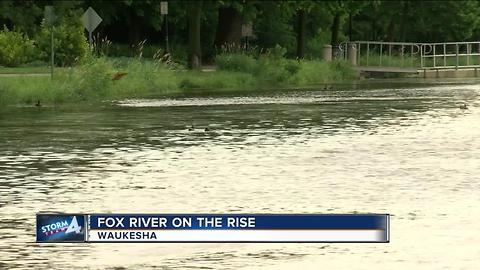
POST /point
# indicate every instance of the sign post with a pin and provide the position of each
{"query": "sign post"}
(164, 11)
(49, 20)
(247, 32)
(91, 20)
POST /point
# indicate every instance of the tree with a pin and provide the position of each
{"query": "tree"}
(135, 16)
(339, 9)
(303, 8)
(273, 24)
(194, 24)
(229, 26)
(301, 32)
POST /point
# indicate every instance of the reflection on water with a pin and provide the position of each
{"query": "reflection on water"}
(411, 153)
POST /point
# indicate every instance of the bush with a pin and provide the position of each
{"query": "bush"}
(70, 43)
(275, 69)
(95, 78)
(270, 68)
(314, 46)
(15, 48)
(236, 62)
(342, 70)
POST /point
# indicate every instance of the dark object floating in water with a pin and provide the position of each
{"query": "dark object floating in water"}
(192, 128)
(38, 103)
(464, 106)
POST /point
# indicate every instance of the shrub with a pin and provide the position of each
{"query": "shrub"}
(236, 62)
(314, 46)
(89, 81)
(15, 48)
(314, 72)
(70, 43)
(275, 69)
(277, 52)
(270, 68)
(342, 70)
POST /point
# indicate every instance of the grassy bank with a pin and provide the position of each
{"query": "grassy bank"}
(93, 80)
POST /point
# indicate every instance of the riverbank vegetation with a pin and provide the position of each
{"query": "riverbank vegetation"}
(102, 78)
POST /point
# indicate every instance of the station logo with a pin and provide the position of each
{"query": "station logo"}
(60, 228)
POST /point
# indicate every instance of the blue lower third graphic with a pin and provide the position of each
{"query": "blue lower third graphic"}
(249, 228)
(61, 228)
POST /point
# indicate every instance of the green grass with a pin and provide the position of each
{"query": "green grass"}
(92, 81)
(389, 61)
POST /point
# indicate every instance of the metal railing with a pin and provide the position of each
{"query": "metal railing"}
(450, 55)
(445, 55)
(385, 54)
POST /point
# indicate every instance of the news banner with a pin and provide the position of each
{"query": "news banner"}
(228, 228)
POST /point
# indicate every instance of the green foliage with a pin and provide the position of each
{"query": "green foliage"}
(274, 22)
(274, 25)
(70, 43)
(15, 48)
(342, 70)
(273, 69)
(92, 80)
(270, 68)
(315, 45)
(236, 62)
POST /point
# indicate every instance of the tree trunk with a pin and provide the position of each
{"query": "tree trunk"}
(404, 20)
(350, 26)
(194, 46)
(391, 30)
(335, 29)
(374, 28)
(229, 27)
(302, 27)
(134, 29)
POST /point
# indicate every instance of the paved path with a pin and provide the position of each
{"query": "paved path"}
(24, 74)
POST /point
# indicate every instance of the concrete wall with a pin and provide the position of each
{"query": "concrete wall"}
(450, 73)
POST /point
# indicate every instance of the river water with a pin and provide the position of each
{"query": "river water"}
(411, 152)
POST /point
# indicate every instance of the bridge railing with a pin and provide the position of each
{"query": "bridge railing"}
(385, 54)
(414, 55)
(450, 55)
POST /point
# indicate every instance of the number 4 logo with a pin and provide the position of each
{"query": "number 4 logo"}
(73, 227)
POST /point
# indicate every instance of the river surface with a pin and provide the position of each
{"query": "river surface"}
(411, 152)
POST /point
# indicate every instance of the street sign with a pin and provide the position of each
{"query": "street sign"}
(49, 15)
(247, 30)
(90, 20)
(163, 8)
